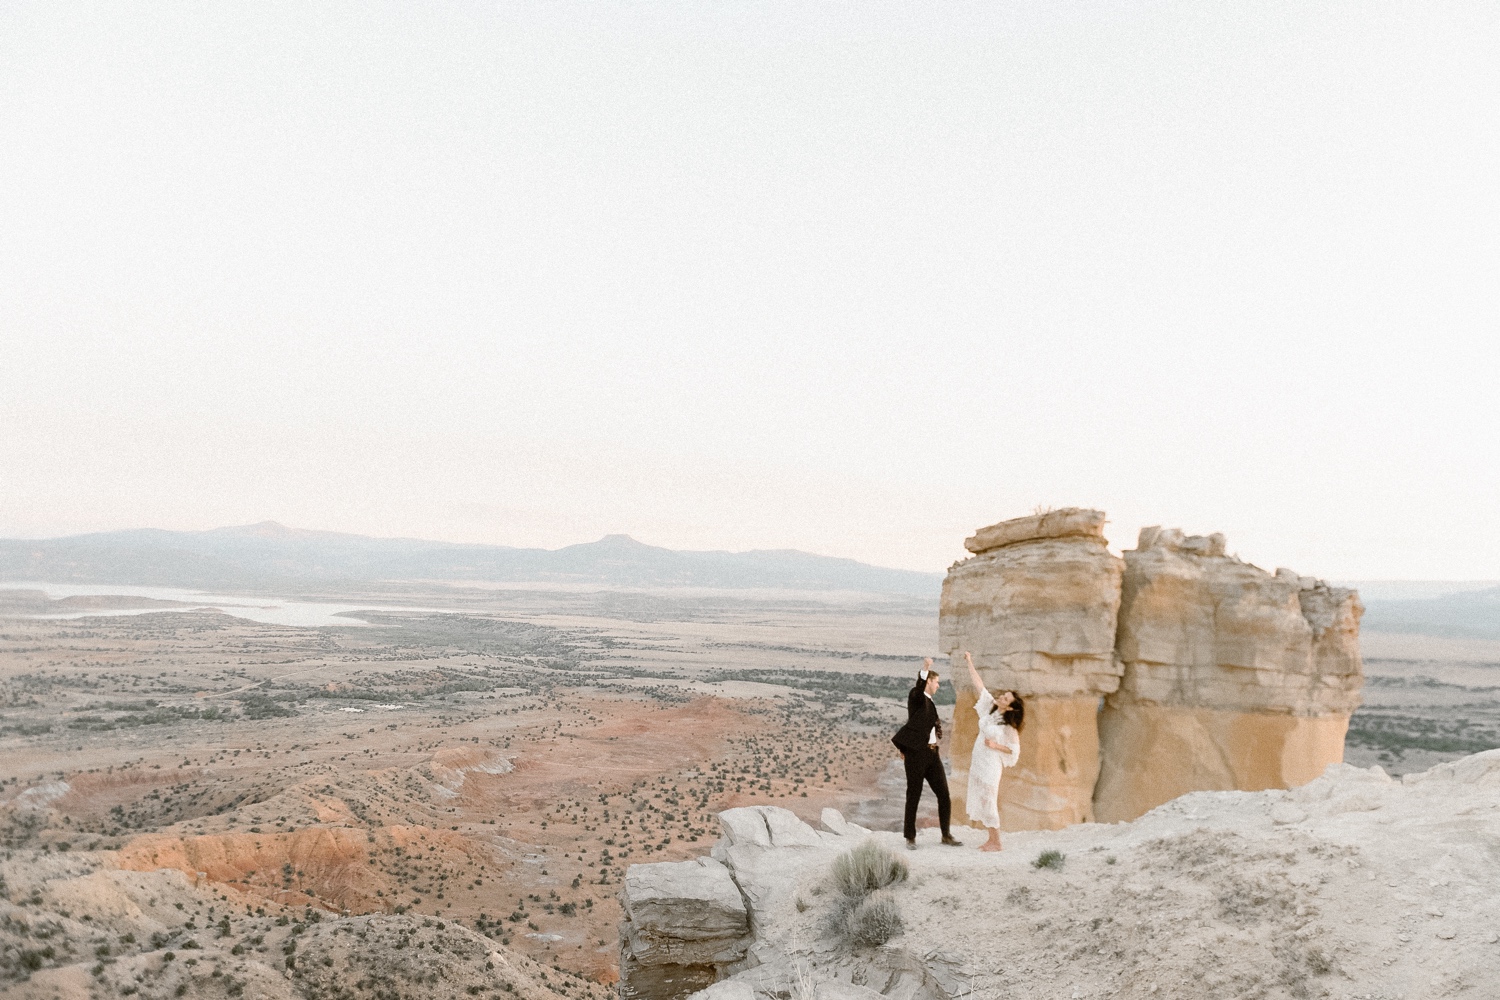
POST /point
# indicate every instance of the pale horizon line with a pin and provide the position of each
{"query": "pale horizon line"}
(1339, 581)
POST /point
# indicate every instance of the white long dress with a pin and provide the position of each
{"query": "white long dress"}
(986, 765)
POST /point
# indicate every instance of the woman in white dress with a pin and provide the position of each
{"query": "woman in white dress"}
(997, 746)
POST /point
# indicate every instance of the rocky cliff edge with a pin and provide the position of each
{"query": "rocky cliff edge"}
(1355, 884)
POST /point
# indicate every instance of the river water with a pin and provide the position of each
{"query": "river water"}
(258, 608)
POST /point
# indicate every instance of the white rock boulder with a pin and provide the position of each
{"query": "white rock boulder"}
(684, 922)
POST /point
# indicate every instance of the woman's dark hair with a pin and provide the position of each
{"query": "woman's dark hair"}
(1015, 713)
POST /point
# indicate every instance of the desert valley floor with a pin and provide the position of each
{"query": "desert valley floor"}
(486, 768)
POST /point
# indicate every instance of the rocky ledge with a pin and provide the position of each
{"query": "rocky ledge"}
(1354, 885)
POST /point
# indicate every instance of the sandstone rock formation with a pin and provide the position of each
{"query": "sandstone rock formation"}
(1234, 678)
(1036, 606)
(335, 860)
(1215, 673)
(685, 922)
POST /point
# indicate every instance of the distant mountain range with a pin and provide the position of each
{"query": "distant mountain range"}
(269, 553)
(1468, 614)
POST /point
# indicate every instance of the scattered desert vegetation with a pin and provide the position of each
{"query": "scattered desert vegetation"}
(496, 769)
(1421, 712)
(493, 773)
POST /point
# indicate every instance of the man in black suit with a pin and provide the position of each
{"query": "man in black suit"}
(918, 743)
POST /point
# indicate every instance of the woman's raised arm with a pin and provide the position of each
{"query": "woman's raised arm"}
(973, 673)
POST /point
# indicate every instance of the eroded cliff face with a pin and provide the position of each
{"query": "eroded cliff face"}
(1234, 678)
(1213, 674)
(1037, 607)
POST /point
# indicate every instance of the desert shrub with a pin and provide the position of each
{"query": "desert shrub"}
(1397, 734)
(1050, 859)
(1021, 898)
(1318, 961)
(1246, 902)
(873, 920)
(865, 869)
(255, 705)
(804, 987)
(864, 912)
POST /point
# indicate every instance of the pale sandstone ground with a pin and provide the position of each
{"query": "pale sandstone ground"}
(662, 703)
(1356, 886)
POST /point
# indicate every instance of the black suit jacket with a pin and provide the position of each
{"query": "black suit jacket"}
(921, 720)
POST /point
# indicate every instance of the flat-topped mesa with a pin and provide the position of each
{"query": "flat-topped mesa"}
(1234, 678)
(1036, 606)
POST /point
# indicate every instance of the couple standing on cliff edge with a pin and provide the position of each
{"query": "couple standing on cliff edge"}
(997, 746)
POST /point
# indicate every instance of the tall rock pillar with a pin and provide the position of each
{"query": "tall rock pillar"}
(1234, 678)
(1036, 606)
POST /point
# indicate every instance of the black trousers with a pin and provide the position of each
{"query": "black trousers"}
(925, 765)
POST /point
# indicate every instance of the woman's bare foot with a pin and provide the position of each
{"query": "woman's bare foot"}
(992, 844)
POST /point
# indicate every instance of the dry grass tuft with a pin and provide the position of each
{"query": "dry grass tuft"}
(874, 920)
(865, 913)
(867, 868)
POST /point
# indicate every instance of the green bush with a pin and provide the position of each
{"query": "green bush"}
(1049, 859)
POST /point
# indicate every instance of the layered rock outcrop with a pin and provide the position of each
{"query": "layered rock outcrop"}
(1037, 606)
(685, 923)
(1234, 678)
(776, 863)
(1353, 885)
(1212, 674)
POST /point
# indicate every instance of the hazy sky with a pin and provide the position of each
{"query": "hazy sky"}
(855, 278)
